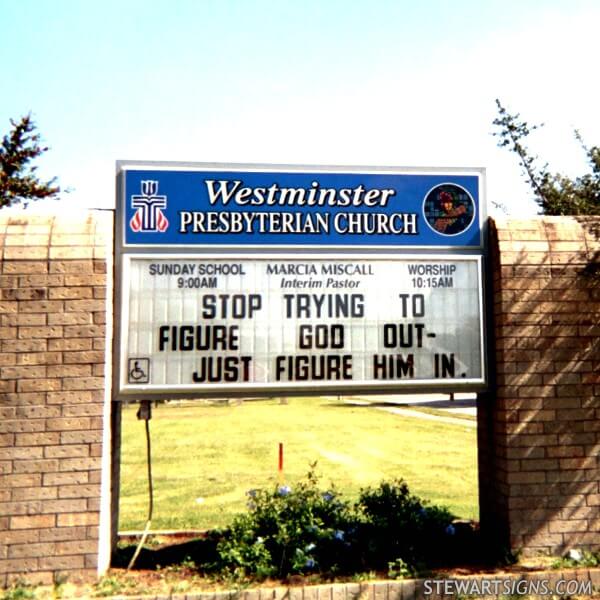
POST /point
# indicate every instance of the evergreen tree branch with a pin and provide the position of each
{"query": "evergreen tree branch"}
(18, 182)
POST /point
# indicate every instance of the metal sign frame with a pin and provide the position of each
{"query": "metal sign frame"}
(125, 252)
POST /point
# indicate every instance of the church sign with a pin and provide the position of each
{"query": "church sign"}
(256, 281)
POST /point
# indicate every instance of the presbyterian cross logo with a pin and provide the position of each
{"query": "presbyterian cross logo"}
(149, 216)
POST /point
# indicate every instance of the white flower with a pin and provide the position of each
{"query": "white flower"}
(574, 554)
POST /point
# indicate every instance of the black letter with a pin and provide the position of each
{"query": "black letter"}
(163, 337)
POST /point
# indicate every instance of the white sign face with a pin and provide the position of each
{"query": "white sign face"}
(201, 324)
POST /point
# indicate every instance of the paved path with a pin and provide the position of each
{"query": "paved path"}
(463, 404)
(407, 412)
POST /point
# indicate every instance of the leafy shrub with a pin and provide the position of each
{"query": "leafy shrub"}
(287, 531)
(20, 590)
(577, 559)
(307, 530)
(397, 525)
(398, 569)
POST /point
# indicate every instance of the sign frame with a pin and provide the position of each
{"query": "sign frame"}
(145, 391)
(124, 253)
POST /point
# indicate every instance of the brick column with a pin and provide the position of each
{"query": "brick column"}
(540, 429)
(54, 455)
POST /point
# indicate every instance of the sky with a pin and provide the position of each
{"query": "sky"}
(401, 83)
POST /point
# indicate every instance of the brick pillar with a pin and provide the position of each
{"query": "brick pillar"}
(540, 430)
(54, 405)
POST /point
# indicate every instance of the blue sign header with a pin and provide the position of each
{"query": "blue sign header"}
(176, 205)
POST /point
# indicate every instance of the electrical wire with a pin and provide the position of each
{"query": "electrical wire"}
(150, 493)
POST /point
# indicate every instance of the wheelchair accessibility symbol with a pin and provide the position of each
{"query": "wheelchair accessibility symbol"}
(138, 370)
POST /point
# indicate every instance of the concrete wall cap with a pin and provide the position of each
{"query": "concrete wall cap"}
(74, 231)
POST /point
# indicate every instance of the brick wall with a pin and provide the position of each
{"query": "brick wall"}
(539, 428)
(53, 405)
(540, 431)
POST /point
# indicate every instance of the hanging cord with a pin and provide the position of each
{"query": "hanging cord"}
(145, 413)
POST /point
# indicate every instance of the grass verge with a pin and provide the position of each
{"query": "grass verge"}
(207, 456)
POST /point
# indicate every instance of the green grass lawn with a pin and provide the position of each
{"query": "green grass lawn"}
(205, 457)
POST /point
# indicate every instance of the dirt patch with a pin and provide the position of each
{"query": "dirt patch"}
(166, 566)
